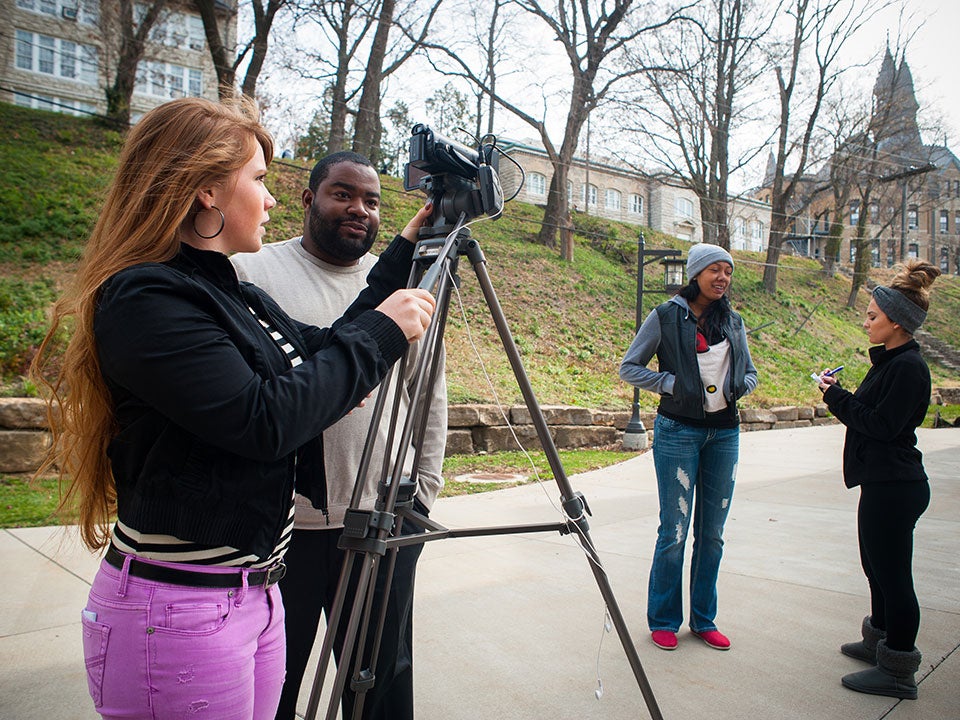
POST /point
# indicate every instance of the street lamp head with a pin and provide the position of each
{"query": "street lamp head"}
(672, 274)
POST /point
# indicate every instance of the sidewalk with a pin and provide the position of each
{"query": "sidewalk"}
(511, 626)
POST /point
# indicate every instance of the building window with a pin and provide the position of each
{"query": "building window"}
(912, 217)
(196, 33)
(538, 184)
(756, 235)
(874, 213)
(589, 194)
(177, 30)
(84, 11)
(612, 199)
(68, 59)
(684, 207)
(167, 80)
(854, 212)
(636, 204)
(739, 233)
(53, 104)
(195, 82)
(944, 260)
(24, 50)
(913, 250)
(53, 56)
(944, 222)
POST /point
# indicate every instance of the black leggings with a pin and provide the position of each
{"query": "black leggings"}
(886, 518)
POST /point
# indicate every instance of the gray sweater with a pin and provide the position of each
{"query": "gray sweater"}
(316, 292)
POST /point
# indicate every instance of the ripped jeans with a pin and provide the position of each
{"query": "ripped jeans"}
(696, 469)
(157, 651)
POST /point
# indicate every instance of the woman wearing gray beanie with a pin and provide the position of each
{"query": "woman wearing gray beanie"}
(880, 455)
(704, 367)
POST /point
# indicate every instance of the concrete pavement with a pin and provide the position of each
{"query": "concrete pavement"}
(512, 626)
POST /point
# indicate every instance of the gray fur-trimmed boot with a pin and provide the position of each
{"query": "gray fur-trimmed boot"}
(865, 649)
(893, 675)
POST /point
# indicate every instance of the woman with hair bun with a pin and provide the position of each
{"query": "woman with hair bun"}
(880, 455)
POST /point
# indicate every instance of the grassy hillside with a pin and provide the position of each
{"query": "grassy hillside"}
(572, 321)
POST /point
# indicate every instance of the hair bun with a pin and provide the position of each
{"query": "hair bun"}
(916, 275)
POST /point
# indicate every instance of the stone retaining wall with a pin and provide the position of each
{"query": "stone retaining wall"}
(24, 432)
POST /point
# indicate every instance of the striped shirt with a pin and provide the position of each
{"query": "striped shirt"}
(168, 548)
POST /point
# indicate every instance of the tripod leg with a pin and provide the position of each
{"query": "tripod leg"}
(358, 624)
(572, 502)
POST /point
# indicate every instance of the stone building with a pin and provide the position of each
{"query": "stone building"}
(617, 192)
(914, 188)
(61, 54)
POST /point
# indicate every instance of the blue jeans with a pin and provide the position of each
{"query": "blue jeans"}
(698, 465)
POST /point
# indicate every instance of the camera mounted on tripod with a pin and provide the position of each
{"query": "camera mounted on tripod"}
(459, 181)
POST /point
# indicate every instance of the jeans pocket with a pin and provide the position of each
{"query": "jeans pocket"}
(194, 618)
(96, 635)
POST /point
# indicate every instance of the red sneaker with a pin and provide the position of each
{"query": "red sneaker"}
(664, 639)
(714, 638)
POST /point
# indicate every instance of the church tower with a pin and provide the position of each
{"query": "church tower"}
(895, 106)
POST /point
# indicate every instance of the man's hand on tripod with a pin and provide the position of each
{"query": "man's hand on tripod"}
(411, 231)
(411, 309)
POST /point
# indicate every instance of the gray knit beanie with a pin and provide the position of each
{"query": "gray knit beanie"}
(901, 310)
(704, 254)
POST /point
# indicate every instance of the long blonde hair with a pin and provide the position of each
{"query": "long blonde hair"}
(175, 149)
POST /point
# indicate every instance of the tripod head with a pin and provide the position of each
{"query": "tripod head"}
(461, 183)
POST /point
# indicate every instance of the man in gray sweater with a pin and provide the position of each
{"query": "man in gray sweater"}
(314, 277)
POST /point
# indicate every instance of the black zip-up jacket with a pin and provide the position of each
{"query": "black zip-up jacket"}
(210, 415)
(882, 417)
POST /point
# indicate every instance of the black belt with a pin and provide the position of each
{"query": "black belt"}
(191, 578)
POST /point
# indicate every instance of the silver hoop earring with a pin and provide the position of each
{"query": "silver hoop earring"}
(223, 221)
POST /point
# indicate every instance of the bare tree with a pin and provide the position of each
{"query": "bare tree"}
(225, 61)
(133, 33)
(590, 34)
(368, 127)
(820, 29)
(491, 19)
(688, 104)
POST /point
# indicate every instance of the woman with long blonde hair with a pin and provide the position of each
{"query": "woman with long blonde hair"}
(880, 456)
(179, 410)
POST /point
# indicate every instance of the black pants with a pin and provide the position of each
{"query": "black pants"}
(886, 518)
(309, 587)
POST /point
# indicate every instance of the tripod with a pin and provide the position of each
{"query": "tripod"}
(372, 537)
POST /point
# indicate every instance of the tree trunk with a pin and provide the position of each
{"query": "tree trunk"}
(834, 242)
(368, 127)
(132, 42)
(861, 264)
(778, 228)
(557, 209)
(222, 63)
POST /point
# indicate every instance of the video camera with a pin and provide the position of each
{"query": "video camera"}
(457, 179)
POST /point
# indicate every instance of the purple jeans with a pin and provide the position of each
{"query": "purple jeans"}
(160, 651)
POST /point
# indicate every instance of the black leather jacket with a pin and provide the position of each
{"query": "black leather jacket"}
(210, 415)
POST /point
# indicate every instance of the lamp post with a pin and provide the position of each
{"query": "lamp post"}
(635, 434)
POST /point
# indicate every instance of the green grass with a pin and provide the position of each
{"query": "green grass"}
(27, 504)
(530, 466)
